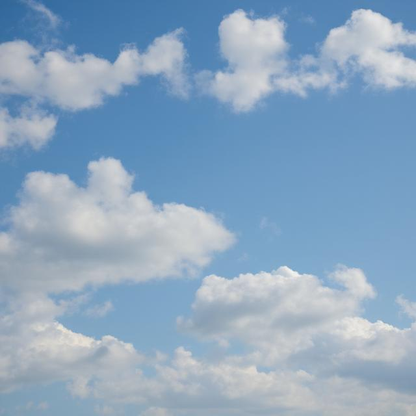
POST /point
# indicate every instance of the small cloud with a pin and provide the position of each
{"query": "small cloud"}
(244, 257)
(53, 20)
(407, 307)
(43, 406)
(309, 20)
(30, 406)
(267, 224)
(156, 411)
(104, 410)
(101, 310)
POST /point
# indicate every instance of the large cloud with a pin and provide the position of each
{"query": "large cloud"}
(286, 318)
(64, 237)
(352, 366)
(280, 312)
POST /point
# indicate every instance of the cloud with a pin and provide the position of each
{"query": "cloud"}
(105, 233)
(37, 349)
(267, 224)
(74, 82)
(280, 312)
(349, 366)
(370, 44)
(53, 20)
(409, 308)
(156, 411)
(31, 127)
(256, 51)
(99, 311)
(258, 64)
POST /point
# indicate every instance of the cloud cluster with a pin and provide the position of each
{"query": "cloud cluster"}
(71, 237)
(286, 318)
(258, 64)
(73, 82)
(256, 52)
(307, 351)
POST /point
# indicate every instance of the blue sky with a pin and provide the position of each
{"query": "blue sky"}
(303, 157)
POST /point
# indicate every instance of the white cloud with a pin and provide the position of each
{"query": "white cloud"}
(37, 349)
(279, 312)
(267, 224)
(287, 319)
(99, 311)
(258, 64)
(104, 410)
(53, 20)
(75, 82)
(156, 411)
(352, 366)
(409, 308)
(256, 51)
(31, 127)
(369, 43)
(70, 236)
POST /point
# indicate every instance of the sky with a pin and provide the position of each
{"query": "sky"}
(207, 208)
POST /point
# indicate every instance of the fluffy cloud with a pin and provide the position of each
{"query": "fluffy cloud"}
(70, 236)
(280, 312)
(352, 366)
(258, 62)
(36, 349)
(371, 44)
(31, 127)
(75, 82)
(286, 318)
(255, 51)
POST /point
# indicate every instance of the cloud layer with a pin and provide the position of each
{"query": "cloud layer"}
(322, 356)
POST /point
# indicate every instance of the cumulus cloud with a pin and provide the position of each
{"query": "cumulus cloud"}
(37, 349)
(71, 236)
(259, 64)
(255, 50)
(348, 366)
(371, 44)
(74, 82)
(31, 127)
(280, 312)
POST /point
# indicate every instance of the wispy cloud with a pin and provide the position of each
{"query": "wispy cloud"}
(100, 310)
(48, 15)
(268, 224)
